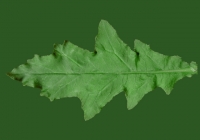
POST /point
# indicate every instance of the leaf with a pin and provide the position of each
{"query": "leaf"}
(96, 77)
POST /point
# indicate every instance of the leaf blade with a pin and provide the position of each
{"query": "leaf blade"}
(95, 78)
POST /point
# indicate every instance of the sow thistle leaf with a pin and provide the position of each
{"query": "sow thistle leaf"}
(96, 77)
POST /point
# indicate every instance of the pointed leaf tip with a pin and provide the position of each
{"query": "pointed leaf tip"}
(138, 43)
(103, 21)
(139, 46)
(194, 67)
(11, 75)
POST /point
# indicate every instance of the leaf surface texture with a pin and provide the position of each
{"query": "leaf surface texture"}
(96, 77)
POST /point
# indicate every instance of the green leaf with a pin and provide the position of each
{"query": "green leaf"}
(96, 77)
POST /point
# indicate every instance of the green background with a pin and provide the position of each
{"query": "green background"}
(170, 27)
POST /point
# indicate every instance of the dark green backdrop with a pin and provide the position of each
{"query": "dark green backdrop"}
(171, 27)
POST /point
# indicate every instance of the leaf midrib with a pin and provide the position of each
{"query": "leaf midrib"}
(187, 70)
